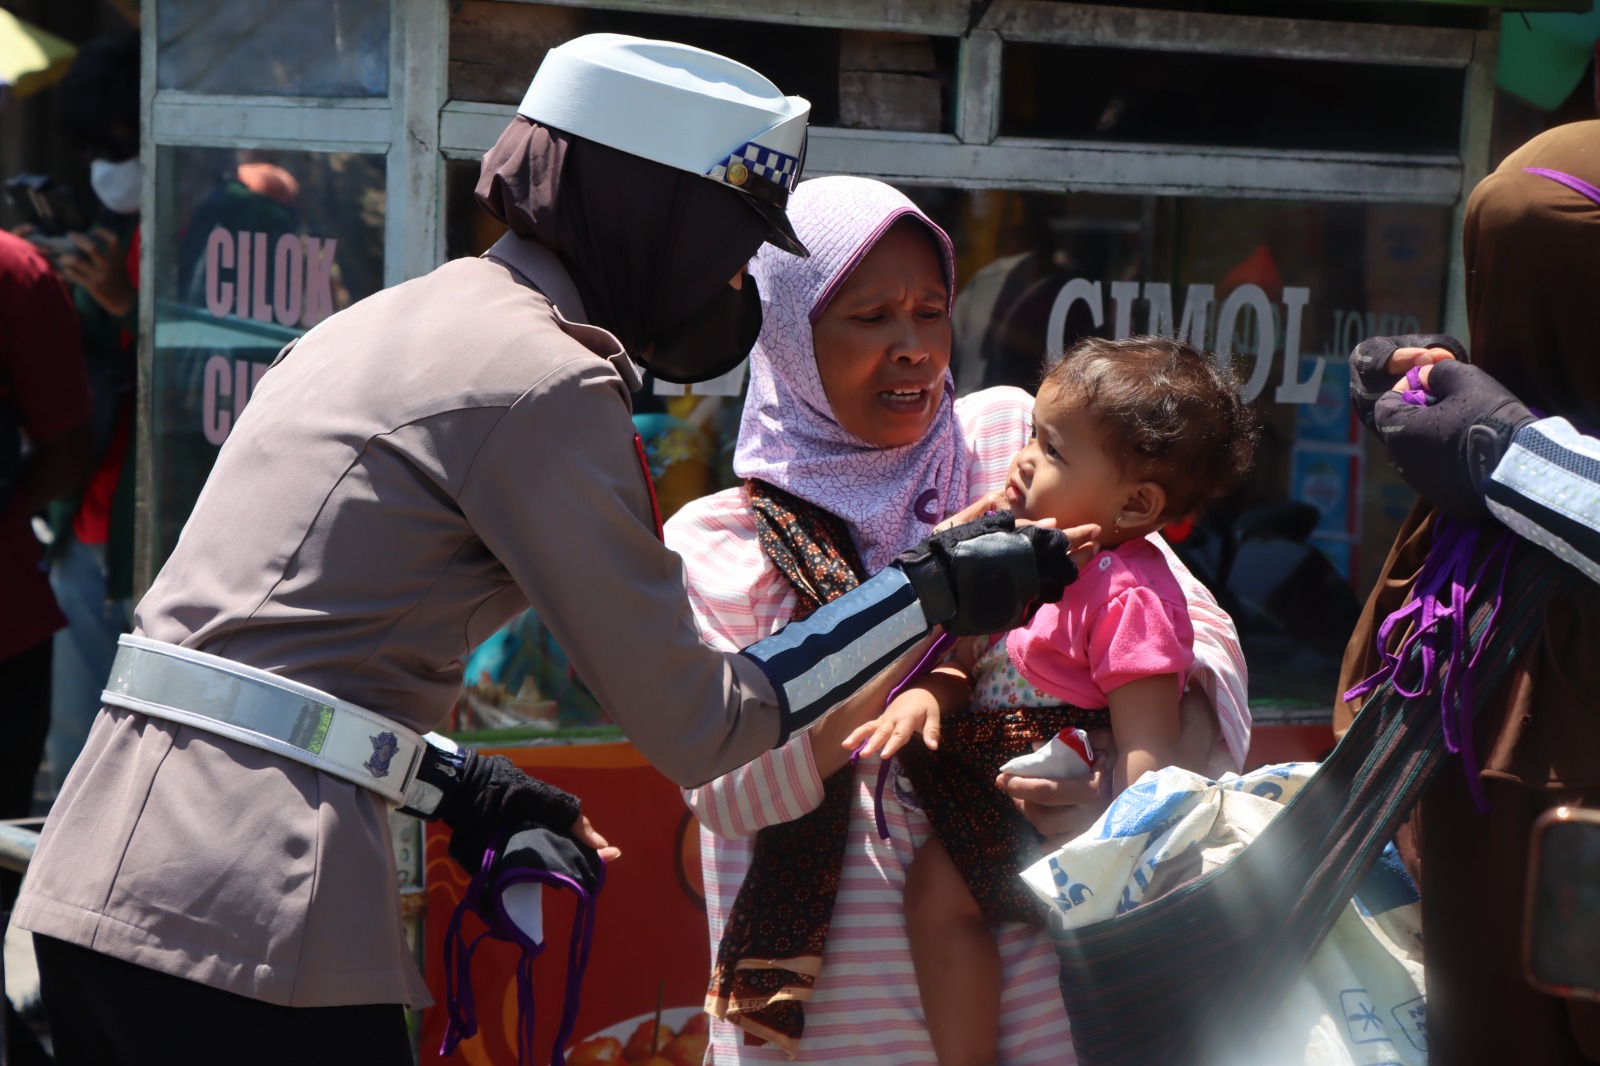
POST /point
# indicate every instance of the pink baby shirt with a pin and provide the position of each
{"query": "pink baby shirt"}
(1123, 619)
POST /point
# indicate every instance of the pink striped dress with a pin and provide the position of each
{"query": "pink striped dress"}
(865, 1008)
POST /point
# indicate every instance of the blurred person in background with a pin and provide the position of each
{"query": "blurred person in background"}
(91, 555)
(45, 453)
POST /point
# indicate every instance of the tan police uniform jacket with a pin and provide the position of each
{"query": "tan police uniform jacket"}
(410, 475)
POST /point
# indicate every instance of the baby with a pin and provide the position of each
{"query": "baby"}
(1128, 435)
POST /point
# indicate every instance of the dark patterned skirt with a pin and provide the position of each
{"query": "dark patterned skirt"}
(987, 837)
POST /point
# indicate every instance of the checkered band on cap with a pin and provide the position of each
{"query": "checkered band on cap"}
(763, 172)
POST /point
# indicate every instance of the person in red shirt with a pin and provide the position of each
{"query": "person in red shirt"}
(44, 419)
(44, 387)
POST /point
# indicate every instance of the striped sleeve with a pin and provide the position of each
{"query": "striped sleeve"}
(1547, 489)
(739, 598)
(815, 664)
(780, 786)
(996, 423)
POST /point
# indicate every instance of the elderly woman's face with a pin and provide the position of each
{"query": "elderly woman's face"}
(883, 341)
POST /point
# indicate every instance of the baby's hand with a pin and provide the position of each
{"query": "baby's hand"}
(913, 711)
(994, 501)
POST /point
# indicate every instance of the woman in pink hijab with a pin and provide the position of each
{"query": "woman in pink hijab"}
(852, 448)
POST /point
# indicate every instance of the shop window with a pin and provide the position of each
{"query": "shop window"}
(1283, 291)
(254, 248)
(468, 229)
(274, 47)
(1123, 96)
(853, 79)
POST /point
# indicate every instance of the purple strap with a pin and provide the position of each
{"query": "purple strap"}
(581, 940)
(878, 817)
(1438, 613)
(460, 1006)
(1576, 184)
(931, 656)
(924, 664)
(1417, 394)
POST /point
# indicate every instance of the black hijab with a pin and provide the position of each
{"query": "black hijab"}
(649, 246)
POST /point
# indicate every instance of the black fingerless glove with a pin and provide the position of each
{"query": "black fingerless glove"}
(493, 796)
(990, 575)
(1447, 450)
(1369, 375)
(1052, 555)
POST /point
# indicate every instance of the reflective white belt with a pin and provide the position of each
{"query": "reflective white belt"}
(265, 711)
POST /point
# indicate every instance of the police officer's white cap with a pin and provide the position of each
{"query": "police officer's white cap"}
(682, 106)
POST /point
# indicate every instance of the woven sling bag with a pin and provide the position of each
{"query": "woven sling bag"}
(1191, 977)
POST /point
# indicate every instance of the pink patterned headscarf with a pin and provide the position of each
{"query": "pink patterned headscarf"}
(890, 497)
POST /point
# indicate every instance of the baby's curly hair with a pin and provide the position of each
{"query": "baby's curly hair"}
(1166, 412)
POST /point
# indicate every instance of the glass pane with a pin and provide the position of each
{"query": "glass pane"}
(274, 47)
(255, 248)
(1287, 289)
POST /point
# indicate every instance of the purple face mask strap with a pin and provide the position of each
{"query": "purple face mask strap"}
(1576, 184)
(582, 937)
(1437, 612)
(581, 940)
(459, 1003)
(460, 1008)
(879, 819)
(1416, 395)
(929, 658)
(924, 664)
(526, 1052)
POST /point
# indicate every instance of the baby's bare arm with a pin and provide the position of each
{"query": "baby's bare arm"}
(1145, 725)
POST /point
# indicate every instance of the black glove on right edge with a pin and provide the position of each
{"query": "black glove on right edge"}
(1448, 450)
(990, 575)
(1369, 376)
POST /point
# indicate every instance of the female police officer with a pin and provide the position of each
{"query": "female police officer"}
(216, 878)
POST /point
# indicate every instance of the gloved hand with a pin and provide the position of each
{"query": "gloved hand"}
(990, 575)
(1447, 450)
(490, 796)
(1370, 378)
(534, 855)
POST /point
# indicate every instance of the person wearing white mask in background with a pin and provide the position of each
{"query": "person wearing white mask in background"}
(91, 556)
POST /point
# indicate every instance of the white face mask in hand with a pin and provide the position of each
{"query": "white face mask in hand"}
(117, 184)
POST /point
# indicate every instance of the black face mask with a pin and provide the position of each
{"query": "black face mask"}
(712, 342)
